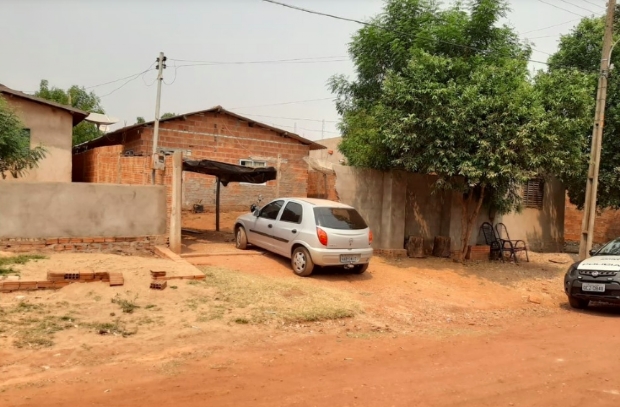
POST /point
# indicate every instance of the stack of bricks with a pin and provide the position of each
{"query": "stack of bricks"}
(478, 253)
(57, 280)
(160, 278)
(83, 244)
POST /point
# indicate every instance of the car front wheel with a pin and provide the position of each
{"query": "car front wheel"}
(302, 262)
(578, 303)
(241, 239)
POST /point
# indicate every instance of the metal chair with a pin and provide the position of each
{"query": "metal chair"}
(492, 240)
(511, 246)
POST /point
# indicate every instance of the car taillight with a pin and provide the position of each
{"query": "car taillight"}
(370, 237)
(322, 236)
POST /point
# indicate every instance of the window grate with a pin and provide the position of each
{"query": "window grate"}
(533, 193)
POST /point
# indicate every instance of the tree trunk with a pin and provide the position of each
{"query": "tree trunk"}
(415, 247)
(468, 219)
(441, 246)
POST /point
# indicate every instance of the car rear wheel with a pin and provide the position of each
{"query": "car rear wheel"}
(241, 239)
(302, 262)
(578, 303)
(360, 268)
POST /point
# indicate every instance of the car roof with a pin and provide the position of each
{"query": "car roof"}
(322, 202)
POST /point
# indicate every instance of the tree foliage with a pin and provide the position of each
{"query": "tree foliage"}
(447, 92)
(580, 52)
(78, 98)
(16, 156)
(168, 115)
(140, 120)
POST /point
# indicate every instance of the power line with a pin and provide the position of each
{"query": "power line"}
(574, 5)
(594, 4)
(552, 26)
(317, 12)
(368, 24)
(257, 62)
(289, 118)
(290, 61)
(283, 103)
(562, 8)
(118, 80)
(124, 84)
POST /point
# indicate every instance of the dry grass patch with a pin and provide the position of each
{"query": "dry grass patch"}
(32, 325)
(7, 262)
(255, 299)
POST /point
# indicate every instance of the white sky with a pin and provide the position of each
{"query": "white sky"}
(91, 42)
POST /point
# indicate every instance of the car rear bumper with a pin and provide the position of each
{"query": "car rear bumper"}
(572, 288)
(331, 257)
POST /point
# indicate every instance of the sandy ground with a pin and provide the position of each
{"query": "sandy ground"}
(424, 333)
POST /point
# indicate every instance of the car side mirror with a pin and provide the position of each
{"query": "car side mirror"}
(593, 252)
(253, 208)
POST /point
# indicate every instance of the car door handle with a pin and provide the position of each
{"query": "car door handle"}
(294, 231)
(269, 226)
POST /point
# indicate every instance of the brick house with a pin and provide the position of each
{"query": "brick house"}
(124, 156)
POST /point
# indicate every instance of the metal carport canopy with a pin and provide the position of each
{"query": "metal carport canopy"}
(226, 173)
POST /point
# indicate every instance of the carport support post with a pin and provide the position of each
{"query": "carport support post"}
(217, 204)
(175, 215)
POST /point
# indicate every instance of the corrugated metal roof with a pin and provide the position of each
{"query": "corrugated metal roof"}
(116, 135)
(78, 115)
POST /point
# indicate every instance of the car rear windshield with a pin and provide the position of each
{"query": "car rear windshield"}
(339, 218)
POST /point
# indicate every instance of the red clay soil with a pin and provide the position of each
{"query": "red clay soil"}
(570, 359)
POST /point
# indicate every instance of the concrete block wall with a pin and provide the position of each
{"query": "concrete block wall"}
(50, 210)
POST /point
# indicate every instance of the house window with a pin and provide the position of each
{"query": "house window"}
(253, 164)
(533, 193)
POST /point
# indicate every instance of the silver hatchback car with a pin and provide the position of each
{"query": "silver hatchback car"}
(311, 232)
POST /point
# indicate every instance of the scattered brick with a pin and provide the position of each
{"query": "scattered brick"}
(72, 276)
(61, 284)
(28, 285)
(55, 276)
(116, 279)
(158, 284)
(87, 275)
(11, 285)
(43, 285)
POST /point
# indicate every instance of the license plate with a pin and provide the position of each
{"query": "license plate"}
(345, 258)
(593, 288)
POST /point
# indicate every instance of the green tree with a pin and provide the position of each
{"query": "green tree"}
(78, 98)
(168, 115)
(140, 120)
(16, 156)
(448, 92)
(580, 52)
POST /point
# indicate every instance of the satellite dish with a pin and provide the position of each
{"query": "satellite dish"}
(101, 119)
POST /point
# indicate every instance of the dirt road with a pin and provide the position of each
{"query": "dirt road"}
(570, 359)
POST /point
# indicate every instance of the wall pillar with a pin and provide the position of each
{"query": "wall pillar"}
(175, 215)
(392, 233)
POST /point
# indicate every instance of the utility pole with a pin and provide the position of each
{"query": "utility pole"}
(161, 64)
(589, 210)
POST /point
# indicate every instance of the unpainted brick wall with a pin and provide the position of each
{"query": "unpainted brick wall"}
(212, 136)
(106, 165)
(606, 226)
(322, 185)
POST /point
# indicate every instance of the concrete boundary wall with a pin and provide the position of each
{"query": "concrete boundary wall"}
(77, 210)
